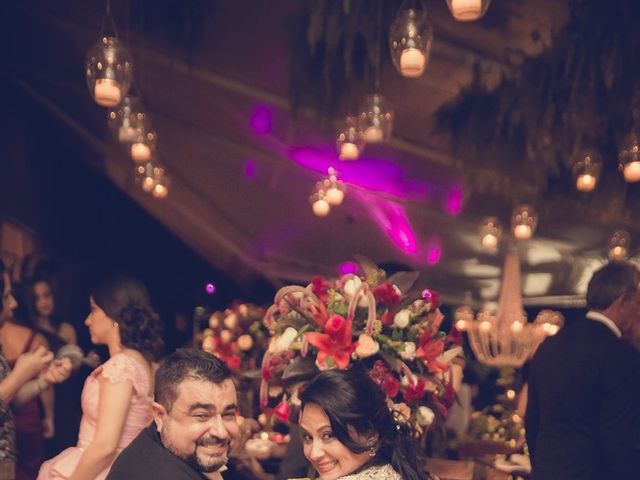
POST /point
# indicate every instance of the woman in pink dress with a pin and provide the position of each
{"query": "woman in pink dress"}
(117, 396)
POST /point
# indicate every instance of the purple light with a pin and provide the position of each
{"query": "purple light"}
(250, 169)
(210, 288)
(393, 220)
(261, 120)
(434, 252)
(348, 267)
(453, 203)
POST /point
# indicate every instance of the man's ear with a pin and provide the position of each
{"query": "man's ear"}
(159, 414)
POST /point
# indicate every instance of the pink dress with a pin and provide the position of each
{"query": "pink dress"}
(119, 368)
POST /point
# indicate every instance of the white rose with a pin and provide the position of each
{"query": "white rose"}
(409, 351)
(425, 416)
(283, 342)
(367, 346)
(230, 321)
(402, 318)
(352, 286)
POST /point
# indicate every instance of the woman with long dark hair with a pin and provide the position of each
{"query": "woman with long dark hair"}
(117, 396)
(348, 431)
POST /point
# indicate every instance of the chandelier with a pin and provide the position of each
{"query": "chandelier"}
(524, 222)
(504, 338)
(629, 157)
(586, 168)
(619, 245)
(376, 119)
(490, 233)
(350, 141)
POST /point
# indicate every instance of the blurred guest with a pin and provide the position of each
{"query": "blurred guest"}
(33, 372)
(43, 309)
(117, 396)
(583, 412)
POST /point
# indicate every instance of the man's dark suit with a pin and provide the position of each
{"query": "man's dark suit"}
(582, 419)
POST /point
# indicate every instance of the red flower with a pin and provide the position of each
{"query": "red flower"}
(414, 391)
(320, 287)
(282, 411)
(233, 362)
(431, 298)
(382, 376)
(335, 342)
(386, 293)
(429, 350)
(386, 318)
(275, 364)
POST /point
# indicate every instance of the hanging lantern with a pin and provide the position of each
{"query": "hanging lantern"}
(524, 222)
(123, 119)
(334, 189)
(376, 119)
(410, 37)
(587, 165)
(319, 203)
(629, 157)
(143, 146)
(153, 179)
(468, 10)
(490, 233)
(161, 188)
(350, 141)
(619, 245)
(109, 71)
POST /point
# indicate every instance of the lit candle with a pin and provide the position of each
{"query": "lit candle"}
(321, 208)
(516, 327)
(335, 196)
(373, 134)
(107, 92)
(632, 171)
(585, 182)
(466, 10)
(349, 151)
(140, 152)
(461, 325)
(160, 191)
(489, 241)
(522, 232)
(148, 183)
(412, 62)
(618, 252)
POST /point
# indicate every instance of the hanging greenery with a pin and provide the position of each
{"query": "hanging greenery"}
(578, 93)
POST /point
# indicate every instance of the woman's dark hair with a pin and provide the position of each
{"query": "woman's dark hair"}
(352, 401)
(1, 285)
(126, 301)
(29, 295)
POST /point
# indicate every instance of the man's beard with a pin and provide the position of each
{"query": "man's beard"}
(206, 465)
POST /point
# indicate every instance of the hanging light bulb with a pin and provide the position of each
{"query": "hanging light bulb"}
(350, 141)
(319, 203)
(629, 157)
(109, 71)
(143, 146)
(161, 188)
(490, 233)
(376, 119)
(587, 165)
(410, 37)
(334, 189)
(153, 178)
(468, 10)
(619, 245)
(523, 222)
(122, 119)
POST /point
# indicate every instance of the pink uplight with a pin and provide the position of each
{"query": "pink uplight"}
(453, 203)
(348, 267)
(261, 120)
(393, 220)
(434, 252)
(210, 289)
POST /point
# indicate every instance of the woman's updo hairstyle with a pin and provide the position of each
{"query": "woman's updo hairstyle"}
(356, 405)
(126, 301)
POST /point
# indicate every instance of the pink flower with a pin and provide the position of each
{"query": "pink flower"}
(382, 376)
(414, 391)
(320, 287)
(233, 361)
(429, 350)
(335, 343)
(282, 411)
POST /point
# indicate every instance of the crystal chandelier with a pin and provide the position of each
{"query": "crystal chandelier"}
(524, 222)
(108, 67)
(410, 37)
(468, 10)
(587, 165)
(502, 338)
(490, 233)
(376, 119)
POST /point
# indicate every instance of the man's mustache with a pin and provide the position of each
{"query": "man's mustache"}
(213, 441)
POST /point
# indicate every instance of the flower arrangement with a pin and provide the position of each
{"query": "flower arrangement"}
(237, 336)
(385, 323)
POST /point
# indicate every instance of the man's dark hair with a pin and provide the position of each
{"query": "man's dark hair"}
(183, 364)
(610, 282)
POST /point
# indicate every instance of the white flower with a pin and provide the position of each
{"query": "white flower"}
(245, 342)
(352, 286)
(402, 318)
(425, 416)
(230, 321)
(284, 341)
(367, 346)
(226, 336)
(409, 351)
(209, 344)
(214, 321)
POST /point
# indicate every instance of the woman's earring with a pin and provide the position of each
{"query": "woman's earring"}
(372, 452)
(115, 324)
